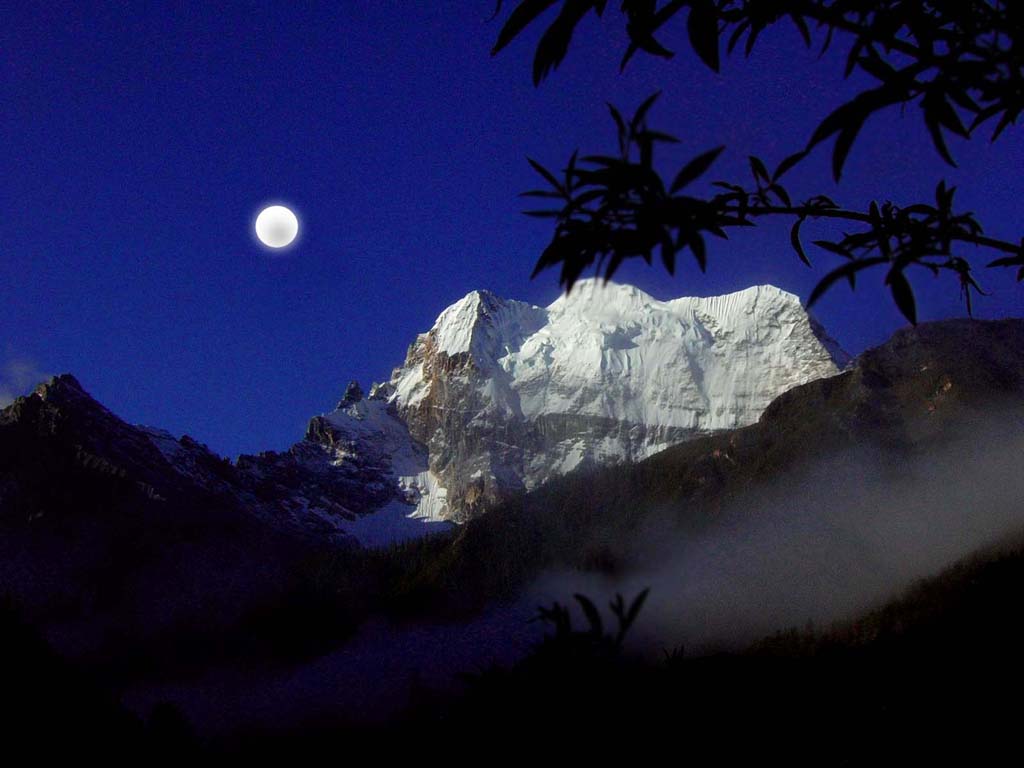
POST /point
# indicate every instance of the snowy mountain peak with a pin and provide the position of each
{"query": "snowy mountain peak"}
(502, 395)
(481, 324)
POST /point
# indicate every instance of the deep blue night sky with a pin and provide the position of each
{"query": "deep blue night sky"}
(138, 143)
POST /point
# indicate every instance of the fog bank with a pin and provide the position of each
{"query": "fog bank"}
(822, 543)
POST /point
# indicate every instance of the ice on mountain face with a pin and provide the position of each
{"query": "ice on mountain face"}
(614, 352)
(369, 432)
(504, 395)
(500, 396)
(391, 524)
(484, 325)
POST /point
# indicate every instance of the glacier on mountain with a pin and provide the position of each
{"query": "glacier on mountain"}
(500, 396)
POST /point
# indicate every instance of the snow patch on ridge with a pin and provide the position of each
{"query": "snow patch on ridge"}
(392, 524)
(372, 429)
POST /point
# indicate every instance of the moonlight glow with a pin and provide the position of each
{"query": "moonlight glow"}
(276, 226)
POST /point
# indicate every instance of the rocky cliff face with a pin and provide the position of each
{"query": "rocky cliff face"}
(499, 396)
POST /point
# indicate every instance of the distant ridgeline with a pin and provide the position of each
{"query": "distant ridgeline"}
(497, 398)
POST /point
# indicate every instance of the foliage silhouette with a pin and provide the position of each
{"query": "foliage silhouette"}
(961, 62)
(594, 641)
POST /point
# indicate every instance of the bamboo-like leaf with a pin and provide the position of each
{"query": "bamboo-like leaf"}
(592, 614)
(788, 163)
(1009, 118)
(844, 143)
(694, 169)
(700, 252)
(903, 295)
(932, 107)
(1006, 261)
(635, 606)
(853, 55)
(759, 170)
(737, 34)
(755, 31)
(702, 28)
(846, 271)
(781, 193)
(642, 110)
(947, 116)
(835, 248)
(554, 43)
(668, 253)
(521, 17)
(548, 175)
(794, 239)
(985, 114)
(847, 121)
(620, 126)
(570, 170)
(801, 25)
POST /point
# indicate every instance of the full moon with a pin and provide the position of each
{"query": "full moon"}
(276, 226)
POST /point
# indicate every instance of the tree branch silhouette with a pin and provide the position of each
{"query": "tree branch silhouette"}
(957, 59)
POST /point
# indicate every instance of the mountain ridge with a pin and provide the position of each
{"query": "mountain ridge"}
(500, 396)
(112, 545)
(505, 395)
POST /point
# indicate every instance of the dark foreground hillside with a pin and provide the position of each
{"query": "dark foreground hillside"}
(935, 674)
(932, 676)
(847, 490)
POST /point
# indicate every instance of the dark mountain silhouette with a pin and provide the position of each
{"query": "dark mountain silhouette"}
(121, 557)
(137, 569)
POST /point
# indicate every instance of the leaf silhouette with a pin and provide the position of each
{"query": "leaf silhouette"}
(788, 163)
(548, 175)
(794, 239)
(801, 25)
(635, 606)
(694, 169)
(525, 12)
(847, 121)
(554, 43)
(702, 28)
(620, 125)
(834, 248)
(592, 614)
(846, 271)
(938, 113)
(642, 110)
(668, 253)
(903, 295)
(758, 168)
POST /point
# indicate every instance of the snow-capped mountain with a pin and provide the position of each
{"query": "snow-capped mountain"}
(500, 395)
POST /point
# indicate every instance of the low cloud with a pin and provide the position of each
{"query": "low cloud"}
(822, 544)
(17, 377)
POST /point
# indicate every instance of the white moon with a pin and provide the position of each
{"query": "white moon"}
(276, 226)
